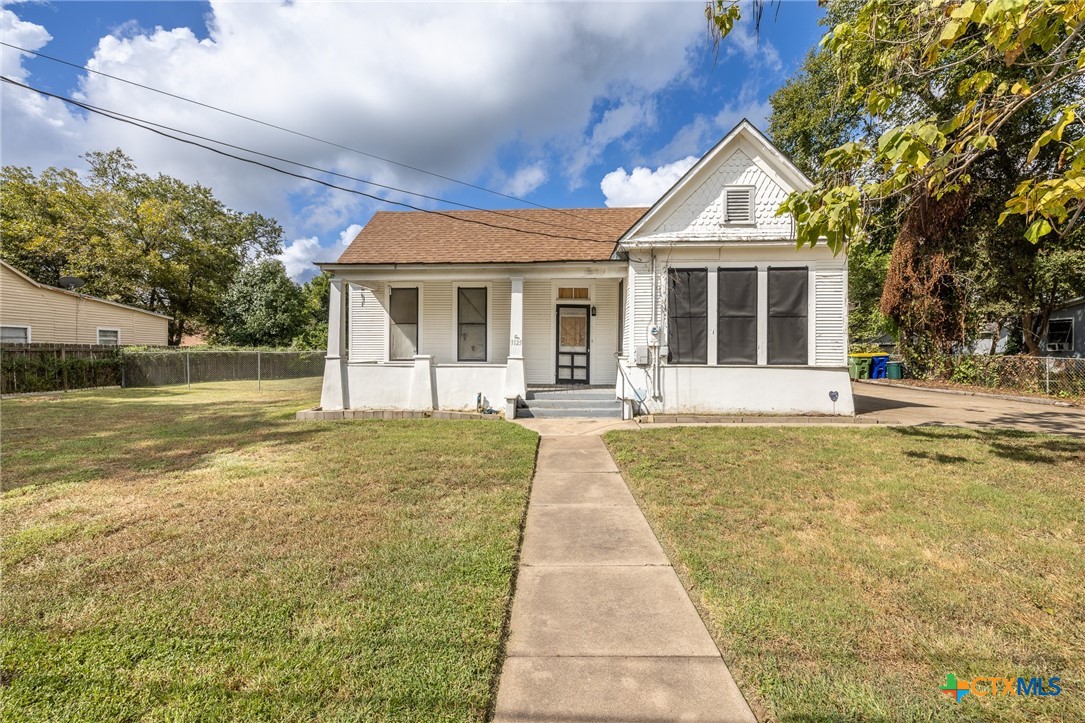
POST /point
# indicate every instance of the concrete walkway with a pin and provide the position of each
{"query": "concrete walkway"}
(601, 628)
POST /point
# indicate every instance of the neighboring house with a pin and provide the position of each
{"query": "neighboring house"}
(35, 313)
(1066, 330)
(700, 304)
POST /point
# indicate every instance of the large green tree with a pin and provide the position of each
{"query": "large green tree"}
(955, 127)
(262, 307)
(150, 241)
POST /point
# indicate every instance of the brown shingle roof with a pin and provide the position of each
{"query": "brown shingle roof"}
(413, 237)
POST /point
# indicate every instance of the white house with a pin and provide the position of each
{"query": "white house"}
(699, 304)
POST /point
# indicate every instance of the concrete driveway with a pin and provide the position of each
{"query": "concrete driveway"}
(898, 405)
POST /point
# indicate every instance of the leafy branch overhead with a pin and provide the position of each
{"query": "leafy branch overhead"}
(943, 82)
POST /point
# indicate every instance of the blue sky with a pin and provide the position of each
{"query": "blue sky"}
(564, 105)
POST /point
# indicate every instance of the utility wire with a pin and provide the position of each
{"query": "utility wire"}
(325, 171)
(140, 124)
(291, 131)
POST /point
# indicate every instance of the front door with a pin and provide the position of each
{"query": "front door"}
(573, 352)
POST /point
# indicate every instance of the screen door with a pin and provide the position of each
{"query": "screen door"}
(573, 344)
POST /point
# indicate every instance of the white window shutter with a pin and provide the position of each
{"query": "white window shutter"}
(738, 205)
(830, 318)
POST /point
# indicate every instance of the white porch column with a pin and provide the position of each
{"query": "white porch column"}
(515, 384)
(334, 395)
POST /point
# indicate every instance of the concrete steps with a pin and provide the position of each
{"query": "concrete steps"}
(562, 403)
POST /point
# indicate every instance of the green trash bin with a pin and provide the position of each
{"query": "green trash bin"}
(892, 370)
(864, 368)
(853, 367)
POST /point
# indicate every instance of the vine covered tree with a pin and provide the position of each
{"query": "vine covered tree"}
(956, 130)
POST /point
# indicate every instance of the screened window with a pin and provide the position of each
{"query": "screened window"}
(573, 292)
(687, 316)
(1060, 335)
(788, 302)
(471, 324)
(111, 337)
(15, 334)
(403, 311)
(736, 338)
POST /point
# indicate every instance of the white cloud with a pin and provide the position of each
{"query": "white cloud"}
(755, 50)
(35, 130)
(614, 124)
(298, 257)
(348, 234)
(704, 131)
(447, 89)
(525, 180)
(643, 186)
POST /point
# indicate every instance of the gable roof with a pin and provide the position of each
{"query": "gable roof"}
(76, 294)
(477, 237)
(783, 166)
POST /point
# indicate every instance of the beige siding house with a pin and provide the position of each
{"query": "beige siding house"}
(35, 313)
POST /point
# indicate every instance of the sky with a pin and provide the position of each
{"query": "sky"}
(565, 105)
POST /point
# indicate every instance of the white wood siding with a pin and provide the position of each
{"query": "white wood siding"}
(500, 309)
(539, 332)
(640, 306)
(700, 214)
(830, 316)
(438, 325)
(368, 327)
(604, 333)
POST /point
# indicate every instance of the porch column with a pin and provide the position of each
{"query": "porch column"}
(333, 395)
(515, 385)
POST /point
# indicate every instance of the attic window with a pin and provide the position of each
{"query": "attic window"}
(738, 204)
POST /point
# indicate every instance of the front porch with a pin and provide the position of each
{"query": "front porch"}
(471, 339)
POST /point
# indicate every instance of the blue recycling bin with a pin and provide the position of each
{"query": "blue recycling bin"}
(879, 366)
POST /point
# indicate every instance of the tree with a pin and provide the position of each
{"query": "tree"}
(316, 292)
(944, 90)
(262, 307)
(153, 242)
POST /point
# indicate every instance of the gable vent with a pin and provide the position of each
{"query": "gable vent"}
(738, 205)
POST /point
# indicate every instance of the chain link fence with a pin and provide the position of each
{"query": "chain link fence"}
(1055, 376)
(156, 368)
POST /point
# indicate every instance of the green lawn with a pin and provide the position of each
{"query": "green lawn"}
(845, 572)
(175, 555)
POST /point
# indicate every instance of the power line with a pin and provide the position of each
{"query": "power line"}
(289, 130)
(323, 170)
(140, 124)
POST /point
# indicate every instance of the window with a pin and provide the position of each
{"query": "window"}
(403, 312)
(15, 334)
(738, 204)
(111, 337)
(687, 316)
(573, 292)
(471, 324)
(736, 338)
(787, 316)
(1060, 335)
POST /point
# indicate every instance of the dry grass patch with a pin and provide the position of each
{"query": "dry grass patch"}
(846, 571)
(201, 555)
